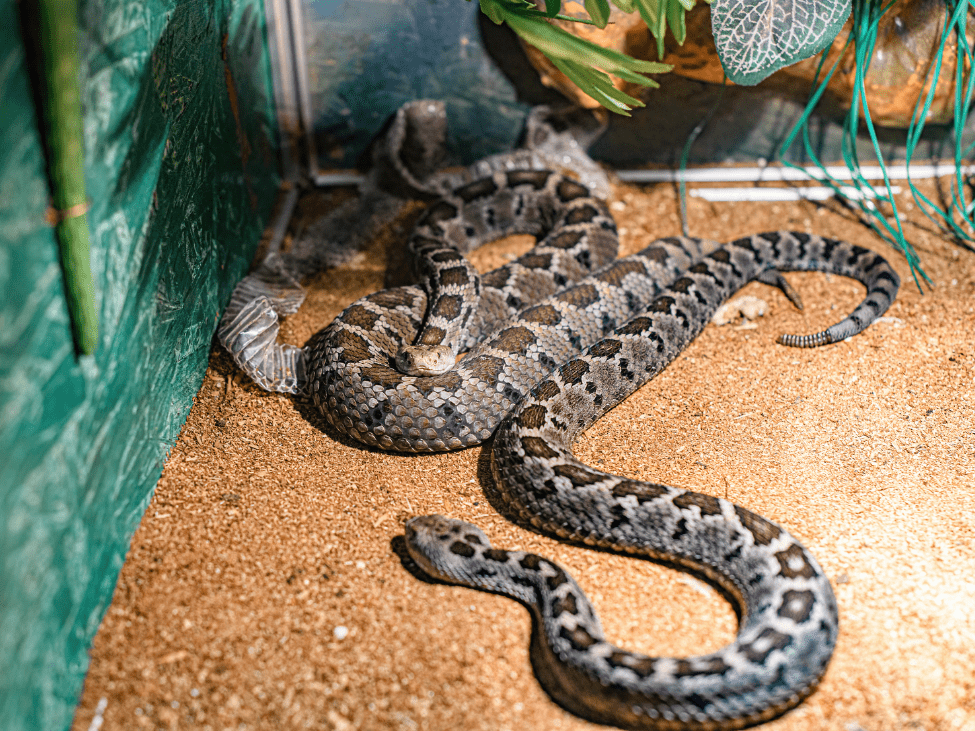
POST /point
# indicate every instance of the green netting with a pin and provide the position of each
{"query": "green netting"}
(954, 216)
(181, 173)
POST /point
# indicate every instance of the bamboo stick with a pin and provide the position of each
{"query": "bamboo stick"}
(58, 35)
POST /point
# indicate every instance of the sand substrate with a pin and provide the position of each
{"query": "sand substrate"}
(265, 587)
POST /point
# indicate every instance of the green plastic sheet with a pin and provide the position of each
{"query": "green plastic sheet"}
(181, 172)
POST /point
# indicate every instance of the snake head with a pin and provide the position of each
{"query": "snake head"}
(437, 544)
(425, 360)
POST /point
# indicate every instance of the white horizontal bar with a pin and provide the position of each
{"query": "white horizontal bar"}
(770, 173)
(776, 173)
(815, 193)
(334, 180)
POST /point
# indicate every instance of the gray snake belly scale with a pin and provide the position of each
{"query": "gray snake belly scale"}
(546, 376)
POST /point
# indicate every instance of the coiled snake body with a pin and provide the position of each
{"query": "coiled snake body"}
(547, 375)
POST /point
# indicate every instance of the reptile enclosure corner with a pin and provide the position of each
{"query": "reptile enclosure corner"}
(184, 550)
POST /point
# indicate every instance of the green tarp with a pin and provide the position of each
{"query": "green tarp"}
(180, 146)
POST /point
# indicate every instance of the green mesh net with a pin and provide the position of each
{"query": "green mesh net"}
(954, 218)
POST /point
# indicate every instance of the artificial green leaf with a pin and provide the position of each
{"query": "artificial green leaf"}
(675, 18)
(552, 7)
(493, 10)
(656, 21)
(598, 86)
(557, 43)
(599, 12)
(755, 38)
(627, 6)
(578, 58)
(635, 78)
(572, 19)
(649, 11)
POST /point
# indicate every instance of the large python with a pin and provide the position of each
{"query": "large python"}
(546, 376)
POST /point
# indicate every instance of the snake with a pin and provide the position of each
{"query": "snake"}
(547, 344)
(406, 161)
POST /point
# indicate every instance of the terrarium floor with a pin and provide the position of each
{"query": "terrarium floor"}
(268, 534)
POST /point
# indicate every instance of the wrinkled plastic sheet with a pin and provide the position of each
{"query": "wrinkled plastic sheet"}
(367, 58)
(180, 147)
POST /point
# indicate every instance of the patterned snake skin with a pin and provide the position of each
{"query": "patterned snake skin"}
(512, 345)
(788, 612)
(546, 375)
(406, 158)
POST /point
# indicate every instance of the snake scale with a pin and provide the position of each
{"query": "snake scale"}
(545, 360)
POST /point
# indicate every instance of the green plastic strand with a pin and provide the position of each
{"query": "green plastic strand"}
(957, 219)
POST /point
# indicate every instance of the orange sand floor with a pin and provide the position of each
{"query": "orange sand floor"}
(264, 590)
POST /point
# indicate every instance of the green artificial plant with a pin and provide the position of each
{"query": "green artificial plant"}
(754, 38)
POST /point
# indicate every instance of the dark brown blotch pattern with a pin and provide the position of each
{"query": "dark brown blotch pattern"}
(616, 273)
(547, 390)
(606, 348)
(446, 381)
(446, 255)
(639, 664)
(578, 638)
(797, 605)
(531, 562)
(765, 644)
(535, 178)
(656, 254)
(542, 314)
(432, 336)
(707, 504)
(572, 372)
(763, 531)
(565, 239)
(497, 554)
(578, 475)
(570, 190)
(486, 368)
(701, 666)
(565, 604)
(448, 306)
(580, 296)
(794, 563)
(557, 578)
(636, 326)
(642, 491)
(514, 339)
(462, 549)
(496, 278)
(662, 304)
(390, 299)
(532, 417)
(359, 316)
(536, 261)
(582, 214)
(382, 375)
(439, 212)
(478, 189)
(355, 348)
(538, 448)
(454, 276)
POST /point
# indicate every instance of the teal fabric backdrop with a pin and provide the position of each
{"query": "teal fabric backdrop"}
(180, 142)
